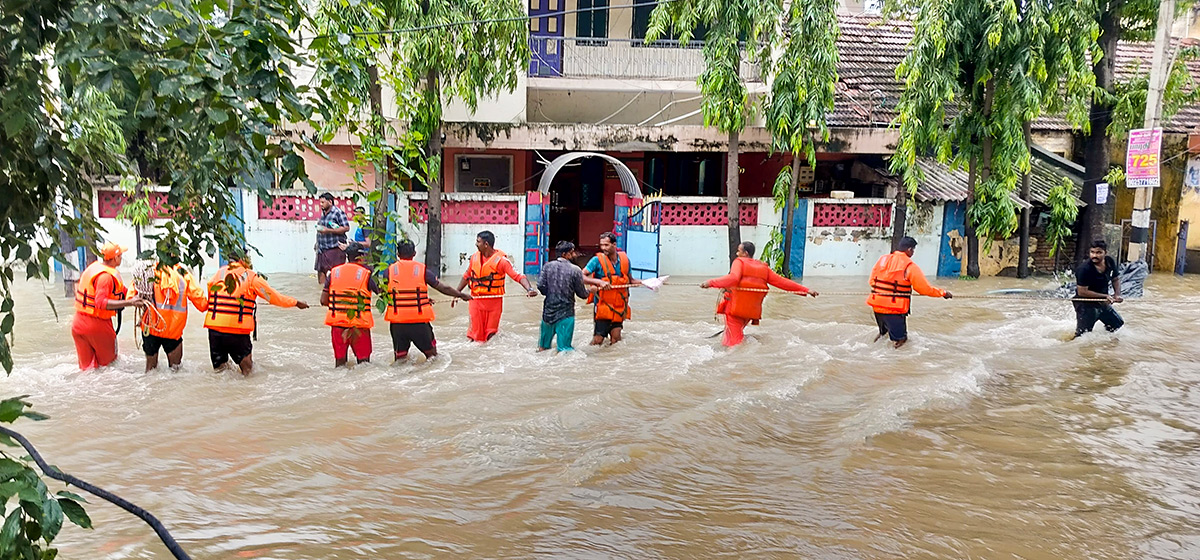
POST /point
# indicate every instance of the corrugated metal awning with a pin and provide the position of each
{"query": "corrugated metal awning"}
(939, 183)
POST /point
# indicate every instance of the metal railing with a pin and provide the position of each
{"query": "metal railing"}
(588, 57)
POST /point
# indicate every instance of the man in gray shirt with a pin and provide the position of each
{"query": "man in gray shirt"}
(561, 282)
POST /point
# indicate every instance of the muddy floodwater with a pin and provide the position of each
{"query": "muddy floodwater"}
(989, 436)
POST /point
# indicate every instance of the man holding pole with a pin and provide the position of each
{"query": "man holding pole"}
(1091, 282)
(486, 275)
(893, 280)
(745, 287)
(612, 303)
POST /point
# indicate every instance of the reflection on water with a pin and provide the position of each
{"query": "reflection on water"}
(988, 436)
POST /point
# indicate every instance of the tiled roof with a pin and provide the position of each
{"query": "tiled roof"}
(939, 183)
(871, 49)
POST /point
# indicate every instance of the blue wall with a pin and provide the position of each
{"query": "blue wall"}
(799, 237)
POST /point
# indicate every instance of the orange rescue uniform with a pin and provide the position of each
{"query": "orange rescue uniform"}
(746, 286)
(92, 330)
(485, 277)
(173, 288)
(408, 294)
(231, 311)
(350, 297)
(893, 280)
(613, 304)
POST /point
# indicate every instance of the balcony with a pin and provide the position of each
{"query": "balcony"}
(635, 59)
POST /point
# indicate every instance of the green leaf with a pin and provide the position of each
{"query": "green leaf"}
(8, 535)
(10, 468)
(70, 496)
(52, 519)
(75, 513)
(11, 409)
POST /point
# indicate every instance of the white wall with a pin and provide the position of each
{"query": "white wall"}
(124, 234)
(704, 250)
(845, 251)
(458, 240)
(924, 224)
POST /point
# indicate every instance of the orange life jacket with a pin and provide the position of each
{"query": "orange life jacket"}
(747, 304)
(891, 291)
(350, 297)
(170, 299)
(613, 304)
(85, 290)
(408, 294)
(485, 278)
(231, 311)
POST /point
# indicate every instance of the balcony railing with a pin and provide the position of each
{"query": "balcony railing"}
(585, 57)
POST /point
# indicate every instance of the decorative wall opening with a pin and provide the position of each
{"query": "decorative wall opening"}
(471, 211)
(299, 208)
(827, 214)
(705, 214)
(110, 203)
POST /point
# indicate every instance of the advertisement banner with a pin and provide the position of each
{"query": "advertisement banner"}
(1142, 158)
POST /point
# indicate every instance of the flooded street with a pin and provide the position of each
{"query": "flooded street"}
(988, 436)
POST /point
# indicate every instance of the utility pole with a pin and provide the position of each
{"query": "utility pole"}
(1143, 196)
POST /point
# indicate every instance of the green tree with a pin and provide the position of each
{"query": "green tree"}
(803, 78)
(975, 73)
(731, 26)
(455, 51)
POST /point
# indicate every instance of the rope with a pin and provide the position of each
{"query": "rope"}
(120, 502)
(867, 293)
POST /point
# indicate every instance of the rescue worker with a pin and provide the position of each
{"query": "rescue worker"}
(233, 293)
(612, 304)
(561, 282)
(164, 320)
(745, 287)
(409, 311)
(486, 275)
(1092, 280)
(99, 293)
(347, 294)
(893, 280)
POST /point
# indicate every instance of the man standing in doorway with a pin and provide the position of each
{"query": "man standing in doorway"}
(409, 310)
(612, 304)
(561, 282)
(1092, 279)
(893, 280)
(99, 293)
(486, 275)
(331, 237)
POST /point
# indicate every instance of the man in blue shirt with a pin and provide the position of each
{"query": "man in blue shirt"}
(362, 227)
(612, 305)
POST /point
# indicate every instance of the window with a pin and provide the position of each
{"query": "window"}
(684, 174)
(483, 174)
(641, 23)
(592, 23)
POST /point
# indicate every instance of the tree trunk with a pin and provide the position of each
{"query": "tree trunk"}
(1096, 157)
(732, 194)
(433, 237)
(790, 221)
(379, 221)
(1023, 262)
(972, 242)
(985, 174)
(900, 221)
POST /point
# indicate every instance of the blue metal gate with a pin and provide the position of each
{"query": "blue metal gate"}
(537, 230)
(642, 242)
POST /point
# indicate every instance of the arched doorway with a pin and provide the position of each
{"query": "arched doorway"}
(544, 220)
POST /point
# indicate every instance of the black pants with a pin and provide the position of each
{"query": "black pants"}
(1086, 315)
(895, 325)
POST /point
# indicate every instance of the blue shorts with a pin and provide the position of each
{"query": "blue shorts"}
(895, 325)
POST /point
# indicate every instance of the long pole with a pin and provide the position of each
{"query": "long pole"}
(1143, 197)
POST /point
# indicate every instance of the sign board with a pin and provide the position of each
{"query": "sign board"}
(1141, 158)
(1101, 193)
